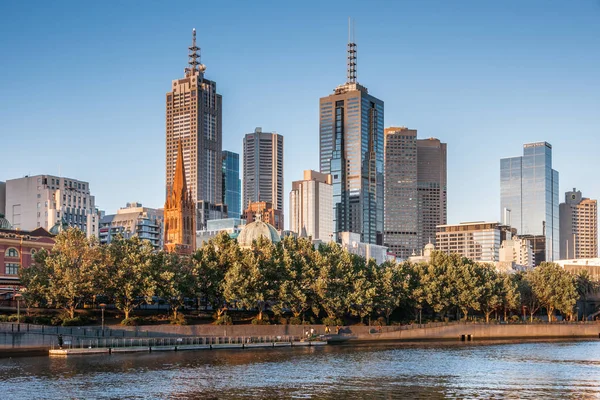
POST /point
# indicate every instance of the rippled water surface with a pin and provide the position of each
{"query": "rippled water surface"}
(527, 370)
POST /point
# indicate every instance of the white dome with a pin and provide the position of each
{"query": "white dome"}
(256, 229)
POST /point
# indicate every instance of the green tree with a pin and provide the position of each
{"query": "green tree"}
(255, 281)
(65, 277)
(363, 295)
(529, 299)
(466, 283)
(334, 283)
(415, 287)
(510, 293)
(211, 263)
(128, 275)
(175, 279)
(390, 281)
(586, 287)
(554, 287)
(491, 291)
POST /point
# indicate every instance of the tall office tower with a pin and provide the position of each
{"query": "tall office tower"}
(578, 226)
(2, 198)
(311, 208)
(432, 188)
(52, 203)
(180, 212)
(263, 168)
(194, 118)
(232, 186)
(351, 150)
(529, 195)
(401, 202)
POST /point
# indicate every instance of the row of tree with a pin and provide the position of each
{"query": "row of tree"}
(288, 277)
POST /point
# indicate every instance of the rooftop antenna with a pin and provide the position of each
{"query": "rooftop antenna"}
(194, 56)
(351, 74)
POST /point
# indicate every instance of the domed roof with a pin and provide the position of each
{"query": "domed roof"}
(4, 224)
(59, 226)
(429, 246)
(256, 229)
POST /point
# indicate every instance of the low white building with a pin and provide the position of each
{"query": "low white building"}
(233, 226)
(351, 242)
(311, 206)
(516, 254)
(49, 202)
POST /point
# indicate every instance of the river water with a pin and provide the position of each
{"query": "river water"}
(458, 370)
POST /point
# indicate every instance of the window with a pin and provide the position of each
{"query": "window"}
(12, 252)
(33, 251)
(12, 268)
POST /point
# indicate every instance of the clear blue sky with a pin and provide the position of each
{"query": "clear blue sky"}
(82, 84)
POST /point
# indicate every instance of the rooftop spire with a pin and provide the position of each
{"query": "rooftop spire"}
(194, 56)
(351, 74)
(179, 183)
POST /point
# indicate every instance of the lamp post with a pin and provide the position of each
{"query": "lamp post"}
(524, 315)
(420, 317)
(18, 298)
(577, 314)
(102, 307)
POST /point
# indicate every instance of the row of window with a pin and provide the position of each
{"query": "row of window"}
(11, 252)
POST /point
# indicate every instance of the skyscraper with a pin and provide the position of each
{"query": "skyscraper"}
(263, 168)
(415, 190)
(194, 118)
(402, 234)
(351, 150)
(180, 212)
(432, 191)
(232, 186)
(311, 208)
(529, 195)
(578, 226)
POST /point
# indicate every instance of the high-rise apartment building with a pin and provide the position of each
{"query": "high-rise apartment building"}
(351, 150)
(415, 190)
(232, 185)
(529, 195)
(479, 241)
(578, 226)
(194, 118)
(402, 232)
(134, 220)
(311, 207)
(432, 191)
(263, 168)
(47, 201)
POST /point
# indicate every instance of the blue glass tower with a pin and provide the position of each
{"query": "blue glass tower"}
(529, 195)
(232, 185)
(351, 150)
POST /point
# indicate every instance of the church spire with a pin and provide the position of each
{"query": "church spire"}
(179, 182)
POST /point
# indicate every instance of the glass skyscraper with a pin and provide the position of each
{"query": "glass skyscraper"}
(529, 195)
(232, 185)
(351, 150)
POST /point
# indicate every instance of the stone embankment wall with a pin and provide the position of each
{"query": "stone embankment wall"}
(440, 331)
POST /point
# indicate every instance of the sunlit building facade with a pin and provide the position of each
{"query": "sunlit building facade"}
(232, 185)
(529, 195)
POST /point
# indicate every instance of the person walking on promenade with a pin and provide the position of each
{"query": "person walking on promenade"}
(60, 340)
(327, 329)
(337, 330)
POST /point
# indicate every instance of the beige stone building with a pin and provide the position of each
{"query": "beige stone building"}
(578, 226)
(311, 206)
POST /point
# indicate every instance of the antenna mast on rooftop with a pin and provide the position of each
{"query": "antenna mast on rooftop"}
(351, 74)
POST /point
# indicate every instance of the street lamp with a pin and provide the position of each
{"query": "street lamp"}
(524, 315)
(577, 314)
(18, 298)
(102, 307)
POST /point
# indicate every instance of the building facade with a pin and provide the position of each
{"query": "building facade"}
(402, 233)
(529, 195)
(311, 207)
(351, 151)
(233, 227)
(263, 168)
(268, 214)
(232, 185)
(2, 198)
(194, 119)
(134, 220)
(432, 193)
(17, 248)
(478, 241)
(578, 226)
(47, 201)
(516, 254)
(351, 242)
(180, 213)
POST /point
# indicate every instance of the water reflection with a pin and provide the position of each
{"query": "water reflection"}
(529, 370)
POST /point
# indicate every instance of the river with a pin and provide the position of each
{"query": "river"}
(456, 370)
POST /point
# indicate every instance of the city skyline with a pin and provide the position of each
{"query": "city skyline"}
(90, 123)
